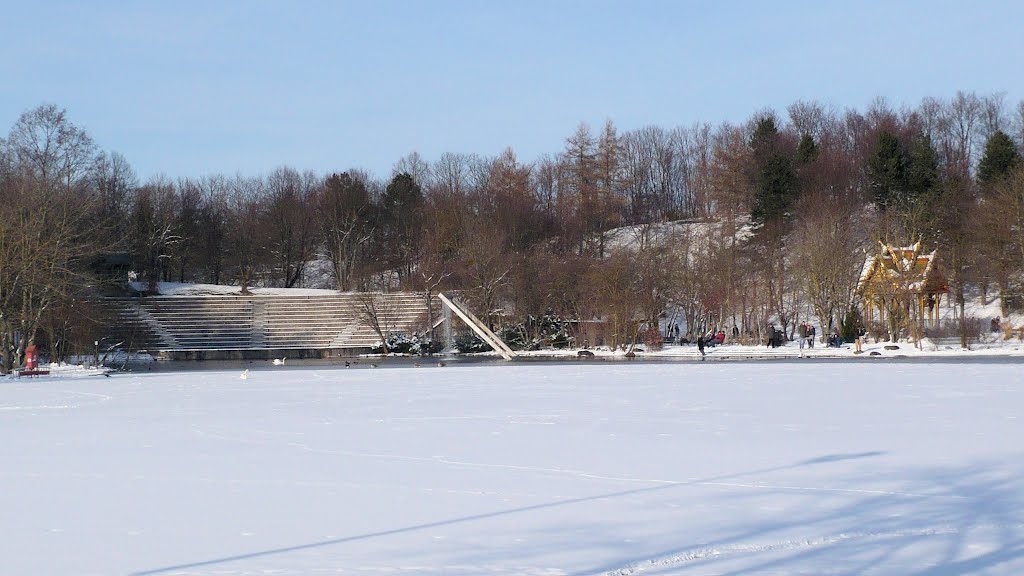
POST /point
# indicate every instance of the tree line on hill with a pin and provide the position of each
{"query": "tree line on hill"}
(779, 210)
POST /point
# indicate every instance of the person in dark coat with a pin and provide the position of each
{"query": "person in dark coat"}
(700, 345)
(835, 340)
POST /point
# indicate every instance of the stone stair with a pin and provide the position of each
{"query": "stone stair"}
(269, 322)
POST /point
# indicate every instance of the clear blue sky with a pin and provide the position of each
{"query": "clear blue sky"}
(193, 88)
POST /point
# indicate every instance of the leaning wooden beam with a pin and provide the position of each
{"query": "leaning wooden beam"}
(501, 343)
(479, 327)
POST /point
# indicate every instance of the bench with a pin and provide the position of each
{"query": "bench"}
(34, 372)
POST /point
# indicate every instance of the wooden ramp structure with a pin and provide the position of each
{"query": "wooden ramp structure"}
(479, 327)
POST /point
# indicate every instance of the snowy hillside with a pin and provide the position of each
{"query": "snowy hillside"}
(691, 233)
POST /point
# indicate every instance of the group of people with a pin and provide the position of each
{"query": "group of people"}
(709, 338)
(703, 340)
(806, 332)
(776, 337)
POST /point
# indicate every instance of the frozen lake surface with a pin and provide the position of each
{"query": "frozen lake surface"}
(524, 469)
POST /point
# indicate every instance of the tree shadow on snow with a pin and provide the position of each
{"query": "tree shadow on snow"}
(868, 530)
(949, 521)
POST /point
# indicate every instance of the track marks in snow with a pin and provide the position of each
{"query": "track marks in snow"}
(98, 399)
(739, 549)
(511, 418)
(442, 570)
(584, 475)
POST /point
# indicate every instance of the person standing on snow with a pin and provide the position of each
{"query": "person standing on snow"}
(802, 331)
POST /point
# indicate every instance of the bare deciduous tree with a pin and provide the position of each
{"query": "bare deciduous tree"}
(245, 232)
(378, 311)
(346, 225)
(827, 255)
(290, 223)
(48, 232)
(613, 291)
(153, 230)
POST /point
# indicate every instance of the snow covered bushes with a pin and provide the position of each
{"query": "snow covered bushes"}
(469, 343)
(402, 344)
(548, 330)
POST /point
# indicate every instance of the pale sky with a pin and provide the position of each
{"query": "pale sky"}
(194, 88)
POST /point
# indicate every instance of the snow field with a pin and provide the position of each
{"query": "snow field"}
(538, 469)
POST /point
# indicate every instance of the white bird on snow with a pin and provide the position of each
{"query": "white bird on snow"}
(279, 361)
(245, 374)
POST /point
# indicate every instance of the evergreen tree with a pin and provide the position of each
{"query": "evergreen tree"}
(775, 183)
(922, 175)
(807, 150)
(805, 165)
(1000, 157)
(887, 170)
(764, 141)
(774, 189)
(919, 205)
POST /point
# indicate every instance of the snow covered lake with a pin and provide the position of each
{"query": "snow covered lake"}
(779, 467)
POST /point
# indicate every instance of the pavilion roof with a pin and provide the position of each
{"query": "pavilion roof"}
(902, 268)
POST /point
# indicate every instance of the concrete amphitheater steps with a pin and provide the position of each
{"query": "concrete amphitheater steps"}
(278, 322)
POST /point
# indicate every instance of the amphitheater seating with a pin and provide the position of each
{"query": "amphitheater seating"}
(127, 329)
(222, 322)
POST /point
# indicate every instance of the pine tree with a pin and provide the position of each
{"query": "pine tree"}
(807, 150)
(775, 183)
(887, 170)
(1000, 157)
(919, 203)
(922, 175)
